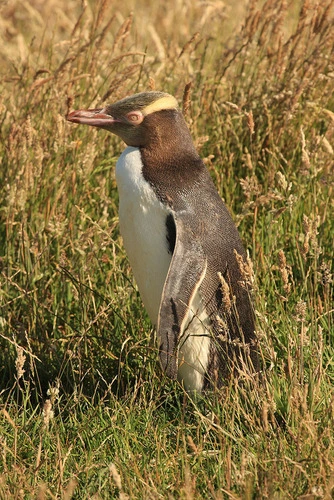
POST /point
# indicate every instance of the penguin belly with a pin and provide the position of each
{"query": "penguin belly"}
(142, 218)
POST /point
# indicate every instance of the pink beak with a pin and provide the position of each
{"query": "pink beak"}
(93, 117)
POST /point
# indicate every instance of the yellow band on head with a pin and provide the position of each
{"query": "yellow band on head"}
(166, 102)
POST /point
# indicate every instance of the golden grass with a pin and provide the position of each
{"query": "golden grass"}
(85, 412)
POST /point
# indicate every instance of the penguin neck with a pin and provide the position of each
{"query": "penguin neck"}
(168, 136)
(170, 162)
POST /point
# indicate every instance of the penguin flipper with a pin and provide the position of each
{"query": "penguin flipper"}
(186, 273)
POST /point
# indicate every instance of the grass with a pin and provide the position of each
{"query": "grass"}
(85, 409)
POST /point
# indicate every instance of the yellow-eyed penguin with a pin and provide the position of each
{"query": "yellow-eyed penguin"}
(181, 241)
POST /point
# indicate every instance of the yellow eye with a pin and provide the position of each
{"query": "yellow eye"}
(135, 117)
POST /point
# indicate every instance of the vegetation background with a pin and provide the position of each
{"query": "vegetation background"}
(85, 410)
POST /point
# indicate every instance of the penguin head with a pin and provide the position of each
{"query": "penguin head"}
(127, 118)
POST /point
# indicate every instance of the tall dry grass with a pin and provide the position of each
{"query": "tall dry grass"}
(256, 83)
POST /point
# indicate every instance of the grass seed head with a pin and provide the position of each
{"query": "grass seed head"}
(300, 311)
(285, 271)
(250, 122)
(326, 274)
(48, 413)
(246, 269)
(19, 363)
(226, 297)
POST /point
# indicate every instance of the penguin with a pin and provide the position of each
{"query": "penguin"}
(183, 246)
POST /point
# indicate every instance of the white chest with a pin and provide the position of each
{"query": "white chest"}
(143, 227)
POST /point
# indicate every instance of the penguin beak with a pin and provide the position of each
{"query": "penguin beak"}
(94, 117)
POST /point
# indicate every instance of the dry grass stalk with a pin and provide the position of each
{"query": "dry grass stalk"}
(250, 184)
(115, 475)
(70, 489)
(250, 122)
(300, 311)
(53, 393)
(48, 413)
(226, 297)
(186, 101)
(310, 226)
(285, 271)
(188, 489)
(326, 274)
(307, 226)
(282, 182)
(42, 493)
(246, 269)
(305, 156)
(187, 46)
(151, 83)
(19, 363)
(118, 481)
(192, 445)
(245, 182)
(123, 33)
(101, 13)
(224, 330)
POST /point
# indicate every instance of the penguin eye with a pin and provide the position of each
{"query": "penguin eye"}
(135, 117)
